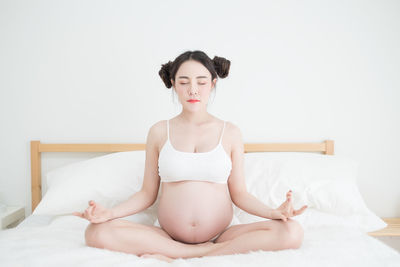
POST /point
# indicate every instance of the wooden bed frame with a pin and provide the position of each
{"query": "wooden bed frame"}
(37, 148)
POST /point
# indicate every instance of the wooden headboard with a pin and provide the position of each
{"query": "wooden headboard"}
(325, 147)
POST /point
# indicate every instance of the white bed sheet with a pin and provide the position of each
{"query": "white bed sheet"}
(59, 241)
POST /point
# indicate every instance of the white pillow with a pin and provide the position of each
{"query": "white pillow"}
(108, 179)
(326, 183)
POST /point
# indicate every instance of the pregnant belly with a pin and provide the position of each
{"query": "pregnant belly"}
(194, 211)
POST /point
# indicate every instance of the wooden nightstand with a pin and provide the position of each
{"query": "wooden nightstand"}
(391, 234)
(393, 228)
(11, 217)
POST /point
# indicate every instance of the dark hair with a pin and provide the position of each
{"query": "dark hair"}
(217, 66)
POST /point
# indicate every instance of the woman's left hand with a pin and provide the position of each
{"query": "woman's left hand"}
(286, 209)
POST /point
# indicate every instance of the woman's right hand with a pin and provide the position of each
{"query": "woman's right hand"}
(95, 213)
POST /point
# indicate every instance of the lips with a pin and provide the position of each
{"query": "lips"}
(193, 100)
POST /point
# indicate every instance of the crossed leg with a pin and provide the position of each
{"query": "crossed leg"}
(140, 239)
(264, 235)
(144, 240)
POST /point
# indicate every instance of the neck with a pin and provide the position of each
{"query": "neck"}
(195, 118)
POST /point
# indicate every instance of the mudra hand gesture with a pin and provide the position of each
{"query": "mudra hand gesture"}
(95, 213)
(286, 209)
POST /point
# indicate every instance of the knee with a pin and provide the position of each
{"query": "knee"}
(293, 234)
(96, 235)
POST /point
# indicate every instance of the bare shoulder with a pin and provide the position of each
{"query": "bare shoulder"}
(233, 131)
(234, 135)
(158, 127)
(156, 133)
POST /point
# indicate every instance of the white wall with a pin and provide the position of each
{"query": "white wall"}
(302, 71)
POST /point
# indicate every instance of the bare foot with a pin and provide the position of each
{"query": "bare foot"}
(206, 244)
(158, 256)
(209, 246)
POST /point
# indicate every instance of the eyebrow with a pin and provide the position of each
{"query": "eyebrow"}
(186, 77)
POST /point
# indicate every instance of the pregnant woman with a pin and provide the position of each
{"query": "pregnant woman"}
(198, 161)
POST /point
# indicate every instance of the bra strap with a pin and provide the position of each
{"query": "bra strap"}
(167, 129)
(220, 139)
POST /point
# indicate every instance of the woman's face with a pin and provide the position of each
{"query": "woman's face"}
(193, 81)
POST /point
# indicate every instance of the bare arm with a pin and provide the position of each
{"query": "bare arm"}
(242, 198)
(236, 182)
(136, 203)
(252, 205)
(144, 198)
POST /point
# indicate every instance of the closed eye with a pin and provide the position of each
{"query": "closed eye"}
(199, 83)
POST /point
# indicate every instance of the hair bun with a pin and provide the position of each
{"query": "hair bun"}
(165, 74)
(221, 66)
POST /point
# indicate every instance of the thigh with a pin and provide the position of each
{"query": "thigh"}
(126, 223)
(239, 229)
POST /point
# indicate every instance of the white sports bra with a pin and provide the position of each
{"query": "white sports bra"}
(212, 166)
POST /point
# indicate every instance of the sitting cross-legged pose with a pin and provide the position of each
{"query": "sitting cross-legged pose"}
(198, 160)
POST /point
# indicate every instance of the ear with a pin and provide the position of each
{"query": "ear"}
(213, 83)
(172, 82)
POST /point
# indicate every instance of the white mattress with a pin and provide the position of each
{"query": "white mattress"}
(45, 241)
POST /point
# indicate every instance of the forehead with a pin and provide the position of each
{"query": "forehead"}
(192, 69)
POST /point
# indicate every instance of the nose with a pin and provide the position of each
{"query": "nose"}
(193, 89)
